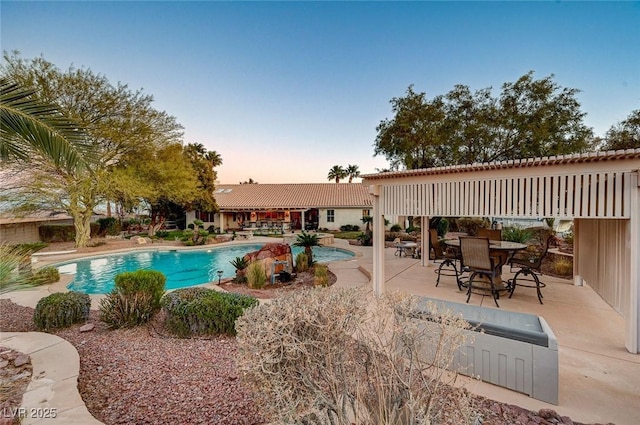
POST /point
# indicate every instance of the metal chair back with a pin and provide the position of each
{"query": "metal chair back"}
(475, 253)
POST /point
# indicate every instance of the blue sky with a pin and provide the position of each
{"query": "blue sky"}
(285, 90)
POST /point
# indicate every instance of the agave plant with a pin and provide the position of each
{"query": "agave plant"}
(308, 241)
(240, 264)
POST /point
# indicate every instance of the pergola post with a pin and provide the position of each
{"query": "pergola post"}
(632, 322)
(377, 278)
(221, 216)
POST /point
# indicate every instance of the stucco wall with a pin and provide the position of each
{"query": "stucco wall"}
(342, 216)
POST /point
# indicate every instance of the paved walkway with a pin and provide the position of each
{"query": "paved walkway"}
(599, 379)
(52, 396)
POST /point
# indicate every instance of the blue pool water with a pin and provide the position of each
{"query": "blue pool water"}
(182, 268)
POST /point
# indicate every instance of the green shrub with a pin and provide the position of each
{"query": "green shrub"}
(442, 227)
(61, 309)
(200, 311)
(162, 234)
(321, 275)
(256, 276)
(516, 234)
(302, 262)
(62, 232)
(396, 228)
(349, 228)
(45, 276)
(134, 299)
(109, 226)
(148, 281)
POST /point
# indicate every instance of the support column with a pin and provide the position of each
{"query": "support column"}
(221, 218)
(632, 321)
(377, 277)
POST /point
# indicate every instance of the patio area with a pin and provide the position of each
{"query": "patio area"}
(599, 379)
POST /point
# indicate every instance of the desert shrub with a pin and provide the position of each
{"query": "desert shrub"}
(201, 311)
(321, 275)
(302, 262)
(61, 309)
(516, 234)
(256, 276)
(470, 225)
(120, 310)
(134, 299)
(349, 228)
(563, 266)
(148, 281)
(396, 228)
(45, 276)
(326, 354)
(108, 226)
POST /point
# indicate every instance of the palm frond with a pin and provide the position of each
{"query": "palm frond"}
(28, 124)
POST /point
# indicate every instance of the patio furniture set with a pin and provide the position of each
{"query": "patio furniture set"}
(477, 263)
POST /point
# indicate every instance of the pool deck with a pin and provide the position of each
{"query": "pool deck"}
(599, 379)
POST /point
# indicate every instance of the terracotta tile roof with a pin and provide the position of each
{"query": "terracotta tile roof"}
(302, 195)
(517, 163)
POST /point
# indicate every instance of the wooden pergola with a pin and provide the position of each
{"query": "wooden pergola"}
(599, 191)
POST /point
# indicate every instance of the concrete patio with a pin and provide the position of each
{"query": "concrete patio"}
(599, 379)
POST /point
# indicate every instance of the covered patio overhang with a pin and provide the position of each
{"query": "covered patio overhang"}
(599, 191)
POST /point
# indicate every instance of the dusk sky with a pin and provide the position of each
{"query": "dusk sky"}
(285, 90)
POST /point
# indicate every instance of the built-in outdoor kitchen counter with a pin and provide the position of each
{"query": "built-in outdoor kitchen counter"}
(514, 350)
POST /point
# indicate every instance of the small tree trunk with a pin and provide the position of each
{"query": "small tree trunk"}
(82, 224)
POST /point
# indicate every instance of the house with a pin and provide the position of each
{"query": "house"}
(292, 206)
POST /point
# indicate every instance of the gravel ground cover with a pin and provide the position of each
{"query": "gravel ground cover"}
(143, 376)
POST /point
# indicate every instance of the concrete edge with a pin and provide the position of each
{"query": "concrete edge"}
(52, 396)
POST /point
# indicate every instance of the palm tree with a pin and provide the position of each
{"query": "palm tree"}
(307, 241)
(28, 123)
(336, 173)
(352, 171)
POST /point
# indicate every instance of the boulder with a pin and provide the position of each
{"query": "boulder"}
(269, 254)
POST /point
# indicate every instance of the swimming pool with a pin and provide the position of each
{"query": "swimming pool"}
(182, 268)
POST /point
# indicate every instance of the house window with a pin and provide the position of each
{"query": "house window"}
(205, 216)
(366, 213)
(331, 216)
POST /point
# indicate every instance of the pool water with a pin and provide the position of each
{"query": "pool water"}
(181, 267)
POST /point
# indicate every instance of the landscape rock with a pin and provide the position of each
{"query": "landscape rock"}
(269, 254)
(21, 360)
(87, 328)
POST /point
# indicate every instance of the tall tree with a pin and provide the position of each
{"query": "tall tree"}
(625, 134)
(336, 173)
(353, 172)
(203, 163)
(164, 180)
(118, 123)
(529, 118)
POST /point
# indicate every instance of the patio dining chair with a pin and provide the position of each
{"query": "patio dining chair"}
(530, 268)
(448, 258)
(478, 261)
